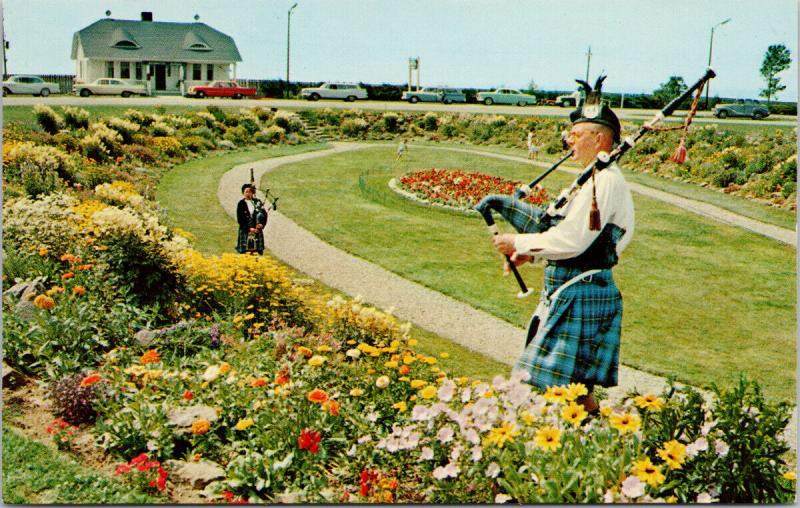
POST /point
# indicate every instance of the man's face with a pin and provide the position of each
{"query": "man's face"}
(587, 139)
(248, 193)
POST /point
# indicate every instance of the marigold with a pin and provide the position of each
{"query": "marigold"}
(283, 377)
(200, 427)
(626, 422)
(91, 379)
(404, 369)
(647, 472)
(85, 267)
(392, 364)
(151, 356)
(316, 360)
(444, 354)
(43, 251)
(400, 406)
(68, 275)
(79, 290)
(548, 439)
(418, 383)
(331, 406)
(317, 396)
(305, 351)
(44, 302)
(224, 367)
(258, 382)
(412, 342)
(649, 401)
(428, 392)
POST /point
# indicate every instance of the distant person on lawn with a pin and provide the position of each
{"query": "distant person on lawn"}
(401, 149)
(574, 335)
(252, 218)
(533, 150)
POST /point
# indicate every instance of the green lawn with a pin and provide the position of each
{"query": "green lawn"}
(189, 193)
(703, 301)
(36, 474)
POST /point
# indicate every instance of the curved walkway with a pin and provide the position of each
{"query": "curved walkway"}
(433, 311)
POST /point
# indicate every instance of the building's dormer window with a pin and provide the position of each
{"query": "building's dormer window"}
(122, 39)
(126, 45)
(193, 42)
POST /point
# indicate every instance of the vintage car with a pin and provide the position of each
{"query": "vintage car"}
(573, 99)
(346, 91)
(742, 107)
(30, 84)
(506, 96)
(109, 86)
(220, 89)
(445, 95)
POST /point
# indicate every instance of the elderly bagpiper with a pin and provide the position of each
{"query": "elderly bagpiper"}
(574, 336)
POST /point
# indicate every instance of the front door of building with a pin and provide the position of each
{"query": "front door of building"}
(161, 76)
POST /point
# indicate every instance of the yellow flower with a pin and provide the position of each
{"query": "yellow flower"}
(428, 392)
(43, 251)
(305, 351)
(382, 382)
(370, 371)
(430, 360)
(200, 427)
(351, 342)
(400, 406)
(625, 423)
(412, 342)
(606, 410)
(356, 392)
(527, 417)
(548, 439)
(44, 302)
(409, 359)
(574, 413)
(673, 453)
(577, 390)
(558, 394)
(499, 436)
(390, 364)
(403, 378)
(671, 500)
(324, 349)
(244, 424)
(418, 383)
(224, 367)
(649, 401)
(395, 343)
(444, 354)
(647, 472)
(462, 381)
(249, 316)
(790, 475)
(316, 360)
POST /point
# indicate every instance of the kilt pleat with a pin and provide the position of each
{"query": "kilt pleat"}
(579, 342)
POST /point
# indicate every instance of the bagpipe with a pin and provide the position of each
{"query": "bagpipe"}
(261, 213)
(528, 218)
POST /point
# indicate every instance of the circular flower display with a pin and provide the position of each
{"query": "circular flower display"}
(461, 189)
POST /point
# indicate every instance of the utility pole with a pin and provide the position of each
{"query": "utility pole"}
(288, 31)
(588, 61)
(710, 46)
(4, 47)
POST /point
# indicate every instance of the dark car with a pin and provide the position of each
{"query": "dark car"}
(742, 107)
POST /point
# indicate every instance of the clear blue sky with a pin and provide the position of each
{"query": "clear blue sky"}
(465, 43)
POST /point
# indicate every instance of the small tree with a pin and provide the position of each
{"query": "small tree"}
(776, 60)
(669, 90)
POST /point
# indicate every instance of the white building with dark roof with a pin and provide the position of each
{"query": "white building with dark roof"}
(169, 57)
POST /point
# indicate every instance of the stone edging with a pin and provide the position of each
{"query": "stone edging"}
(394, 186)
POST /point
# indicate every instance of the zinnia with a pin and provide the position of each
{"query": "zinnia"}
(309, 440)
(150, 356)
(317, 396)
(200, 427)
(332, 406)
(44, 302)
(91, 379)
(79, 290)
(258, 382)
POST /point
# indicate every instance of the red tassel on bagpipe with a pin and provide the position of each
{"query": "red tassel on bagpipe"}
(679, 157)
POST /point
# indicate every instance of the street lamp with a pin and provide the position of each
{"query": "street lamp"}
(711, 45)
(288, 31)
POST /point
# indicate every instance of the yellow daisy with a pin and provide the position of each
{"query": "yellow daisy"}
(499, 436)
(558, 394)
(626, 422)
(673, 453)
(649, 401)
(647, 472)
(548, 439)
(574, 413)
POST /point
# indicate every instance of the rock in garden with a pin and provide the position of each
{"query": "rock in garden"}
(25, 290)
(25, 309)
(197, 474)
(145, 337)
(11, 377)
(185, 416)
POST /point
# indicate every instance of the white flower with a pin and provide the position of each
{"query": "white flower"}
(608, 497)
(471, 436)
(364, 439)
(421, 413)
(700, 445)
(466, 394)
(721, 448)
(211, 373)
(353, 353)
(520, 376)
(445, 435)
(455, 453)
(382, 382)
(477, 453)
(373, 416)
(492, 470)
(501, 498)
(446, 390)
(449, 471)
(352, 451)
(632, 487)
(705, 497)
(426, 454)
(704, 430)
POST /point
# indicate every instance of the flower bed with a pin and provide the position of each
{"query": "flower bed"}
(461, 189)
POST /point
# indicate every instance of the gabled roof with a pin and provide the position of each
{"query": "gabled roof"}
(156, 41)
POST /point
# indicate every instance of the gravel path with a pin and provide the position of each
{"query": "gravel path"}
(433, 311)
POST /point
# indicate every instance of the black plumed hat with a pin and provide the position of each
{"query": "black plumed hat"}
(595, 110)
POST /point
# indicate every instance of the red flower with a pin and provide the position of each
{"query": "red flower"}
(122, 468)
(91, 379)
(309, 440)
(283, 377)
(139, 459)
(188, 395)
(227, 494)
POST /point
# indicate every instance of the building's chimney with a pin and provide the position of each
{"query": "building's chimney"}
(147, 16)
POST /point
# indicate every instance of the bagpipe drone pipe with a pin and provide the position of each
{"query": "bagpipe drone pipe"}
(528, 218)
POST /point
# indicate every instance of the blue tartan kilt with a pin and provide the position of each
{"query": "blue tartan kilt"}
(246, 242)
(579, 341)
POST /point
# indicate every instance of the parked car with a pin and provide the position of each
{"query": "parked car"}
(30, 84)
(506, 96)
(109, 86)
(445, 95)
(220, 89)
(345, 91)
(742, 107)
(573, 99)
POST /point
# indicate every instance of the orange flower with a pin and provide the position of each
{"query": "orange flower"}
(44, 302)
(317, 396)
(43, 251)
(404, 369)
(332, 407)
(85, 267)
(200, 427)
(150, 356)
(283, 377)
(259, 382)
(79, 290)
(68, 275)
(70, 258)
(305, 351)
(188, 395)
(91, 379)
